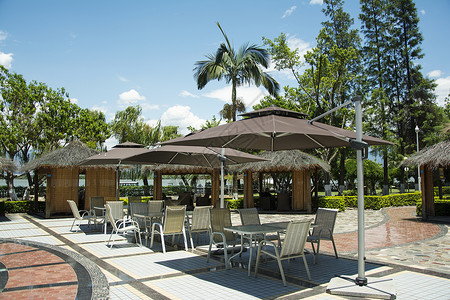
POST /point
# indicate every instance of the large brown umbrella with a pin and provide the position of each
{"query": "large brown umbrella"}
(273, 129)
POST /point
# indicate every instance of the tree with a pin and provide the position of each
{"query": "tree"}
(236, 67)
(208, 124)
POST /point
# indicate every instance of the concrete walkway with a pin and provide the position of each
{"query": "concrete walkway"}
(42, 258)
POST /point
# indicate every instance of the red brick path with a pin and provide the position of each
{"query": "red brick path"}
(38, 270)
(401, 228)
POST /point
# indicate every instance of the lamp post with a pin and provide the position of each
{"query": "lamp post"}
(418, 166)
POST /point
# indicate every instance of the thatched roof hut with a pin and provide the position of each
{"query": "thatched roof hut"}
(7, 165)
(71, 155)
(435, 156)
(61, 169)
(283, 161)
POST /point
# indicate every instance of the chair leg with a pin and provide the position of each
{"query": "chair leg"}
(280, 265)
(71, 228)
(316, 256)
(209, 250)
(225, 253)
(334, 246)
(192, 242)
(163, 243)
(306, 267)
(185, 241)
(258, 257)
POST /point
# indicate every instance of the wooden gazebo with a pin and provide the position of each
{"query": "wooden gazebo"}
(62, 173)
(429, 159)
(298, 163)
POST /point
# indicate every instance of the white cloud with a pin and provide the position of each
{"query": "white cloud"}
(314, 2)
(181, 116)
(123, 79)
(105, 110)
(73, 100)
(289, 12)
(250, 95)
(130, 97)
(6, 59)
(3, 35)
(185, 93)
(146, 106)
(301, 45)
(443, 89)
(111, 142)
(435, 73)
(422, 11)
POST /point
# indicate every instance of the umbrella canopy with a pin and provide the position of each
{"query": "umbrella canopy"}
(284, 161)
(193, 155)
(117, 155)
(434, 156)
(273, 129)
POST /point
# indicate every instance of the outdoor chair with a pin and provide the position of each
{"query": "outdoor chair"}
(325, 221)
(79, 215)
(139, 208)
(133, 199)
(293, 246)
(99, 214)
(173, 224)
(155, 212)
(116, 212)
(121, 226)
(221, 218)
(200, 222)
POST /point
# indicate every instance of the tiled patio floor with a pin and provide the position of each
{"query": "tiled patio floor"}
(42, 257)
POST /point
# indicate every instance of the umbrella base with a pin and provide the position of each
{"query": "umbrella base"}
(377, 288)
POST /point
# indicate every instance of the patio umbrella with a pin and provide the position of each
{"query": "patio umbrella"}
(196, 156)
(273, 129)
(115, 156)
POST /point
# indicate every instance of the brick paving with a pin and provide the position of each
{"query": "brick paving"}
(398, 246)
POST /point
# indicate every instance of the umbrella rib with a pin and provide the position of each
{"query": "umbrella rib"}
(224, 145)
(209, 163)
(312, 139)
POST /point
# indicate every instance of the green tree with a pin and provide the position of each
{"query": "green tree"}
(373, 173)
(208, 124)
(92, 128)
(236, 67)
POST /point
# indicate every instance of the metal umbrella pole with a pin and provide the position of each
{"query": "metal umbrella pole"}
(222, 159)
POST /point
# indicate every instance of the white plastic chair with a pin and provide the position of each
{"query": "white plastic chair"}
(121, 226)
(79, 215)
(293, 246)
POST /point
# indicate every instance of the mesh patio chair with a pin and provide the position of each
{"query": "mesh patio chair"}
(325, 221)
(173, 224)
(221, 218)
(155, 213)
(133, 199)
(141, 209)
(200, 222)
(99, 214)
(293, 246)
(121, 226)
(116, 212)
(79, 215)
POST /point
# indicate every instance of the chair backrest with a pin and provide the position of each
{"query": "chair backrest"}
(201, 218)
(132, 199)
(221, 218)
(174, 219)
(155, 206)
(110, 214)
(185, 199)
(138, 208)
(295, 239)
(325, 220)
(116, 208)
(74, 208)
(96, 202)
(249, 216)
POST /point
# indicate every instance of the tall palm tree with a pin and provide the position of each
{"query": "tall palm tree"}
(236, 67)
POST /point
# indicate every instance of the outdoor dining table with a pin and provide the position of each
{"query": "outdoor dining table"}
(249, 232)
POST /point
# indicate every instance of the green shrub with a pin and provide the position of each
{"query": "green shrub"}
(329, 202)
(441, 207)
(20, 207)
(236, 204)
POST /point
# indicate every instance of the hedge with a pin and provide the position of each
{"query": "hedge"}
(370, 202)
(441, 207)
(20, 207)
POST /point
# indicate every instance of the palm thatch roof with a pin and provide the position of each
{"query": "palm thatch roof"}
(177, 169)
(7, 165)
(434, 156)
(283, 161)
(71, 155)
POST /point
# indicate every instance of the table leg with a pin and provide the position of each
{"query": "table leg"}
(242, 249)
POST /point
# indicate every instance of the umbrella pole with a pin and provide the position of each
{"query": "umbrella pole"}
(361, 279)
(117, 181)
(222, 180)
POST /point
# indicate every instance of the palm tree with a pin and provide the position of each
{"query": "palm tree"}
(239, 68)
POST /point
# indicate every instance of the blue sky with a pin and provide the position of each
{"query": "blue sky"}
(112, 54)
